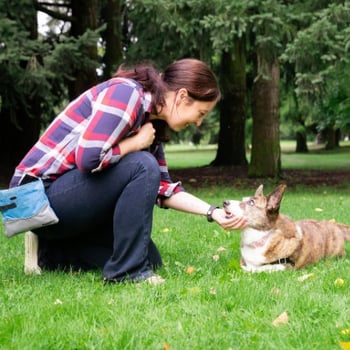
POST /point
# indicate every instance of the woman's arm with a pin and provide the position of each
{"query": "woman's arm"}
(189, 203)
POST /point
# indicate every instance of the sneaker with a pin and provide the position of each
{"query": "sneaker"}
(155, 280)
(149, 277)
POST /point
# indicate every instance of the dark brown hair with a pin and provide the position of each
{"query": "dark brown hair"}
(189, 73)
(195, 76)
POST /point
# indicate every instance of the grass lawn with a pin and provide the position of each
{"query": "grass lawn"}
(207, 302)
(184, 156)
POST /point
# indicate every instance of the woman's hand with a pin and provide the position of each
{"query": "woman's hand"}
(142, 140)
(231, 223)
(145, 136)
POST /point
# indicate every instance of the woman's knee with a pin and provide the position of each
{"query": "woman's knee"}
(146, 163)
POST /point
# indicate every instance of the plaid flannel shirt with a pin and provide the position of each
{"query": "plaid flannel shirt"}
(87, 133)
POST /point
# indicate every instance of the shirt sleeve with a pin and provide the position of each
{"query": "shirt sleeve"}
(114, 112)
(167, 187)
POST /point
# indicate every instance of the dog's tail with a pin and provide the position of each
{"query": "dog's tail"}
(346, 231)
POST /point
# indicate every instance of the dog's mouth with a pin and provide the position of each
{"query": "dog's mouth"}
(228, 213)
(232, 208)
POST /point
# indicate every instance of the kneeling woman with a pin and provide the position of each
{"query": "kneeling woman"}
(103, 166)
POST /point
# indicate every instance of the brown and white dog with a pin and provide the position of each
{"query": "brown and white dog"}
(274, 242)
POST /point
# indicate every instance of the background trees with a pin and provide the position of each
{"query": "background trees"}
(278, 62)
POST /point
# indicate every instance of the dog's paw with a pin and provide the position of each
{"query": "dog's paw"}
(264, 268)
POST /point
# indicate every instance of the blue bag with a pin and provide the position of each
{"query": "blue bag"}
(25, 207)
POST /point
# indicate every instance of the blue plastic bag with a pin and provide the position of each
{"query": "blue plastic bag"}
(25, 207)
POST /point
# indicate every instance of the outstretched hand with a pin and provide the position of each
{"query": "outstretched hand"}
(228, 223)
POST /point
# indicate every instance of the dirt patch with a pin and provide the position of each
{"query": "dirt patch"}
(237, 177)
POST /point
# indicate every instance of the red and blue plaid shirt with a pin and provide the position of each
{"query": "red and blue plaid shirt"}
(87, 133)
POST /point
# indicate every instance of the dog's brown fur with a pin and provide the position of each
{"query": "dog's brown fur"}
(271, 236)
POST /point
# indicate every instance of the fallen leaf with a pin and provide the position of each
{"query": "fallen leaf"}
(345, 345)
(221, 249)
(166, 346)
(339, 282)
(318, 209)
(276, 291)
(216, 257)
(332, 221)
(58, 302)
(212, 291)
(306, 277)
(194, 290)
(190, 270)
(281, 319)
(165, 230)
(345, 331)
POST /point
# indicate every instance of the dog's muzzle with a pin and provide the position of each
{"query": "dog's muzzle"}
(232, 207)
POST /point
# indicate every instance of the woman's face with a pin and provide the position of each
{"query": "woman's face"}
(182, 110)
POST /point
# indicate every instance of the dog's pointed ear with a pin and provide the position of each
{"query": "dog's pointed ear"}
(260, 191)
(275, 197)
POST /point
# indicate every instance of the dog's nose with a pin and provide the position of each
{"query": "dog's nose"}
(226, 203)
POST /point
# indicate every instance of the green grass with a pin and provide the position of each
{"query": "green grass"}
(184, 156)
(215, 307)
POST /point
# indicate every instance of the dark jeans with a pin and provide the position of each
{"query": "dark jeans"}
(105, 219)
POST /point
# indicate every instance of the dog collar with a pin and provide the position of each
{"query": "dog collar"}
(283, 261)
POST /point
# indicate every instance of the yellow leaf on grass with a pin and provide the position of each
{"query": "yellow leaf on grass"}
(339, 282)
(281, 319)
(318, 209)
(166, 346)
(190, 270)
(345, 345)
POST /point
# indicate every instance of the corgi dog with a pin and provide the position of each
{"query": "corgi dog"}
(274, 242)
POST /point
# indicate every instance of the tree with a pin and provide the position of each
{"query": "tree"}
(35, 70)
(319, 52)
(23, 83)
(267, 33)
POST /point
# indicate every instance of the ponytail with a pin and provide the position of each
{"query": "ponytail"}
(148, 77)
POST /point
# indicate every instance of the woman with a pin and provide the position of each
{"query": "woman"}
(103, 166)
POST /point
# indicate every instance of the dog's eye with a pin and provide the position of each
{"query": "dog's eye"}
(251, 202)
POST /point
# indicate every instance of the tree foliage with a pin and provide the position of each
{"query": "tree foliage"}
(246, 42)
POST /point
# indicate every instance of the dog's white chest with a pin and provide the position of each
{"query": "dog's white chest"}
(253, 246)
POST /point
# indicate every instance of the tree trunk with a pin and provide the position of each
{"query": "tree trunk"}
(84, 17)
(111, 15)
(266, 152)
(231, 146)
(331, 138)
(301, 143)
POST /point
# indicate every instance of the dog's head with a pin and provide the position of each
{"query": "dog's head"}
(259, 211)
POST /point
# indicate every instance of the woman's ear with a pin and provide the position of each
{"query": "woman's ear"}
(181, 95)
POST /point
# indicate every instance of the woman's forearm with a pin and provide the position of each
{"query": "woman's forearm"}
(187, 202)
